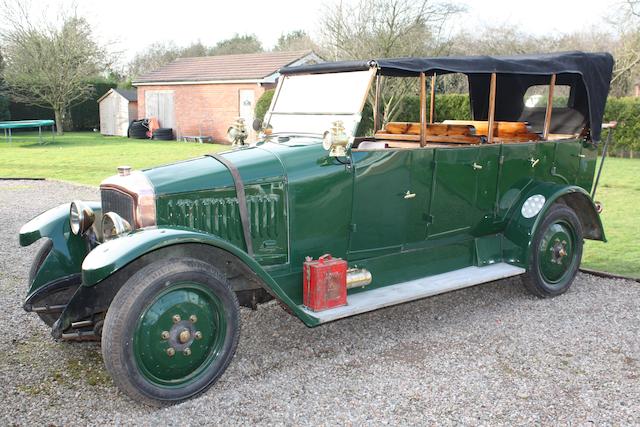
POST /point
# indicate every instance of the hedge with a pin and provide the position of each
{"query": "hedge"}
(448, 107)
(626, 111)
(451, 107)
(84, 116)
(5, 114)
(263, 104)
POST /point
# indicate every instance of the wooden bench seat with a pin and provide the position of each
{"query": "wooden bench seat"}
(503, 131)
(435, 132)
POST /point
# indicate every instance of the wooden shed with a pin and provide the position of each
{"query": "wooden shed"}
(118, 107)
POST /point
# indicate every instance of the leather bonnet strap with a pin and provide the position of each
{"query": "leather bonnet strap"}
(242, 200)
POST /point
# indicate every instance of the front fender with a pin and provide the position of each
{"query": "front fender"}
(67, 250)
(115, 254)
(519, 232)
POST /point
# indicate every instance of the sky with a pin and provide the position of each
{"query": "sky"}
(129, 26)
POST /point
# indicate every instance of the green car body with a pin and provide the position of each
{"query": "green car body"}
(293, 215)
(420, 217)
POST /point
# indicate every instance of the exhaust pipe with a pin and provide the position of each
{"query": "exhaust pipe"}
(358, 277)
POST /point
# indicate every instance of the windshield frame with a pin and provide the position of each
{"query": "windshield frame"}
(356, 116)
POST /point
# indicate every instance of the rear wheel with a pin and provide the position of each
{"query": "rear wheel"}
(556, 252)
(171, 331)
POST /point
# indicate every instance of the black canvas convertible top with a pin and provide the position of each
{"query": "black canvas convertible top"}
(594, 69)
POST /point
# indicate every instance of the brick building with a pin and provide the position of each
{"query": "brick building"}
(203, 96)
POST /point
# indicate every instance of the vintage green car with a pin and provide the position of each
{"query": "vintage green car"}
(158, 268)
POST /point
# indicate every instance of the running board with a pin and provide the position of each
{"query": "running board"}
(416, 289)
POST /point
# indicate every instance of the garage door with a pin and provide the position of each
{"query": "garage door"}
(159, 103)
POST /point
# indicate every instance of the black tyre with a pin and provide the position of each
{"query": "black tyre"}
(138, 129)
(171, 331)
(163, 134)
(556, 252)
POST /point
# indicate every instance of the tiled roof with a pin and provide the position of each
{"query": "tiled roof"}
(252, 66)
(129, 94)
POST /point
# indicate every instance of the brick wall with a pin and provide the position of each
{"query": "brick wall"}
(206, 109)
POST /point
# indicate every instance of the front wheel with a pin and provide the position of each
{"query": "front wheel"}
(171, 331)
(556, 252)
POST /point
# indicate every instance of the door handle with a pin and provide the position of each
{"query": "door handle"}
(409, 195)
(476, 166)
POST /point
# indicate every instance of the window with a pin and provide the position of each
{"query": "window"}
(537, 96)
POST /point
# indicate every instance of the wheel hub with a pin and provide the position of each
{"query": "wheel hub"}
(559, 251)
(180, 336)
(184, 336)
(556, 252)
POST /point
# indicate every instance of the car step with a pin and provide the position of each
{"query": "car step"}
(416, 289)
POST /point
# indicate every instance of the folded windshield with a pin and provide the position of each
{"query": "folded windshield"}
(310, 103)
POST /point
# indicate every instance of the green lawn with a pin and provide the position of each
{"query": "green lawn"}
(619, 191)
(89, 157)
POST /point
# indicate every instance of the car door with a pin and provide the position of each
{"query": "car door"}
(453, 202)
(567, 161)
(382, 179)
(419, 197)
(518, 165)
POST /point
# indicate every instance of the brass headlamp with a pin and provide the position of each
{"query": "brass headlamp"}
(335, 140)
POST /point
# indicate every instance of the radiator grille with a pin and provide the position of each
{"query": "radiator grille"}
(120, 203)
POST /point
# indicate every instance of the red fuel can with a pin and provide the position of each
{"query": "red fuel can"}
(324, 283)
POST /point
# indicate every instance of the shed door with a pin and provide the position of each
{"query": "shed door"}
(107, 116)
(159, 103)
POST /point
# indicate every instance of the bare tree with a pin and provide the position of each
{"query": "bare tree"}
(247, 43)
(153, 57)
(48, 65)
(382, 29)
(295, 40)
(627, 48)
(4, 101)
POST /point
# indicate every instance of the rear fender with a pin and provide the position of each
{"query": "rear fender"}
(108, 266)
(64, 260)
(518, 235)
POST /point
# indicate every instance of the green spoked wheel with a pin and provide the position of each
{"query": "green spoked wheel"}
(180, 335)
(171, 331)
(556, 252)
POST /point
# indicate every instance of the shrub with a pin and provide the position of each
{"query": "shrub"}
(626, 111)
(263, 104)
(448, 107)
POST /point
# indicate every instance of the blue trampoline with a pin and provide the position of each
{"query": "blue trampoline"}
(22, 124)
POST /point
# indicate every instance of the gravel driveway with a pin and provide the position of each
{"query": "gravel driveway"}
(491, 354)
